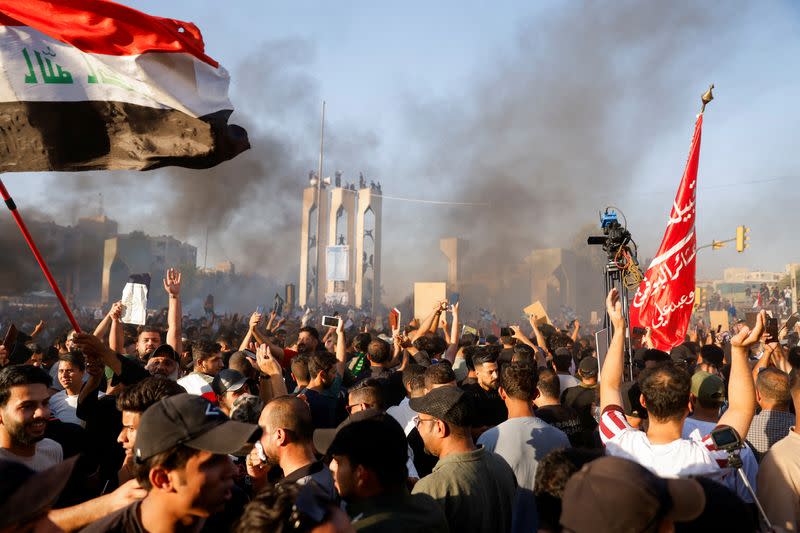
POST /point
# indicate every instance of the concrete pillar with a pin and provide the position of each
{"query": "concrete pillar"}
(454, 249)
(368, 247)
(308, 287)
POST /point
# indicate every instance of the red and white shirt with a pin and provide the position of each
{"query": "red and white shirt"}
(679, 458)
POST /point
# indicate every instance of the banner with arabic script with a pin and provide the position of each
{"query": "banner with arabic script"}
(665, 298)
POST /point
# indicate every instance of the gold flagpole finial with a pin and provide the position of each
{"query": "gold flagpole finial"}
(707, 97)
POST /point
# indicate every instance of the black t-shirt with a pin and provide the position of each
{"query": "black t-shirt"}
(423, 461)
(326, 411)
(583, 400)
(126, 520)
(564, 418)
(488, 407)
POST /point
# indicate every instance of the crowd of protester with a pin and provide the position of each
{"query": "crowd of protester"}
(265, 424)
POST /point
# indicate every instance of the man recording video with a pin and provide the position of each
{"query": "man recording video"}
(666, 398)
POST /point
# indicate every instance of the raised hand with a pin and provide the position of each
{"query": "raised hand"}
(747, 337)
(255, 318)
(614, 309)
(266, 361)
(172, 283)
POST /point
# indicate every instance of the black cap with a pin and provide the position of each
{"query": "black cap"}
(226, 380)
(193, 421)
(24, 494)
(588, 367)
(592, 496)
(376, 442)
(323, 437)
(449, 404)
(165, 350)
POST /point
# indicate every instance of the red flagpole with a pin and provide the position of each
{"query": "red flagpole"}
(39, 259)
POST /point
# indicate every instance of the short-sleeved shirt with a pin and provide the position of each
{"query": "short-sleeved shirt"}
(679, 458)
(48, 454)
(564, 418)
(398, 512)
(126, 520)
(767, 428)
(489, 407)
(779, 483)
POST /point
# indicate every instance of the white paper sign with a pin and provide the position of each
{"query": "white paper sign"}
(134, 298)
(337, 263)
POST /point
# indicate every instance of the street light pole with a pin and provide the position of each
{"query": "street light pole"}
(319, 203)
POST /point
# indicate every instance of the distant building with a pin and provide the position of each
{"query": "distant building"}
(744, 275)
(138, 253)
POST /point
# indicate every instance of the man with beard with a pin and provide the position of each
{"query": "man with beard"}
(149, 337)
(164, 362)
(182, 460)
(287, 441)
(24, 410)
(490, 409)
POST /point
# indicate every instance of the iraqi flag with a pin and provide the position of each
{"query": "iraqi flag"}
(94, 85)
(665, 298)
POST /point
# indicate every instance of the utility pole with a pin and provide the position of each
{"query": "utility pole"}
(317, 281)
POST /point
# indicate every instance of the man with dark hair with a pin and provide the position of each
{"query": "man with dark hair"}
(323, 393)
(711, 359)
(288, 507)
(368, 394)
(665, 396)
(369, 468)
(287, 441)
(523, 439)
(182, 460)
(476, 488)
(207, 363)
(414, 385)
(63, 404)
(132, 402)
(489, 409)
(148, 339)
(307, 340)
(585, 399)
(299, 371)
(779, 474)
(562, 361)
(440, 375)
(24, 410)
(379, 357)
(549, 408)
(775, 421)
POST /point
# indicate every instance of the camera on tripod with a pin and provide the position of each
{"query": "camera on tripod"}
(615, 235)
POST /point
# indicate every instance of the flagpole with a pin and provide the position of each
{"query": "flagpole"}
(39, 259)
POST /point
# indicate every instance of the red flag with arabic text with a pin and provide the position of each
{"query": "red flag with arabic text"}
(665, 298)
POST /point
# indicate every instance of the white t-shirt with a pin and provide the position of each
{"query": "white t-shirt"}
(696, 430)
(199, 385)
(404, 415)
(64, 407)
(679, 458)
(48, 453)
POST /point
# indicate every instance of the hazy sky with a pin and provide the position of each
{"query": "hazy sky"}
(406, 85)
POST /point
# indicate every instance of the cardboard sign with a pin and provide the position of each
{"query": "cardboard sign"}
(536, 308)
(719, 318)
(426, 294)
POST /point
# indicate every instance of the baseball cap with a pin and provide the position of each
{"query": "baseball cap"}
(24, 493)
(449, 404)
(588, 366)
(193, 421)
(706, 386)
(681, 354)
(226, 380)
(592, 495)
(165, 350)
(323, 437)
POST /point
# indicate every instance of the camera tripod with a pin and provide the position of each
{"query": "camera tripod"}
(613, 280)
(735, 462)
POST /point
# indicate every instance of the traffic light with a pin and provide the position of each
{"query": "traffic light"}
(742, 238)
